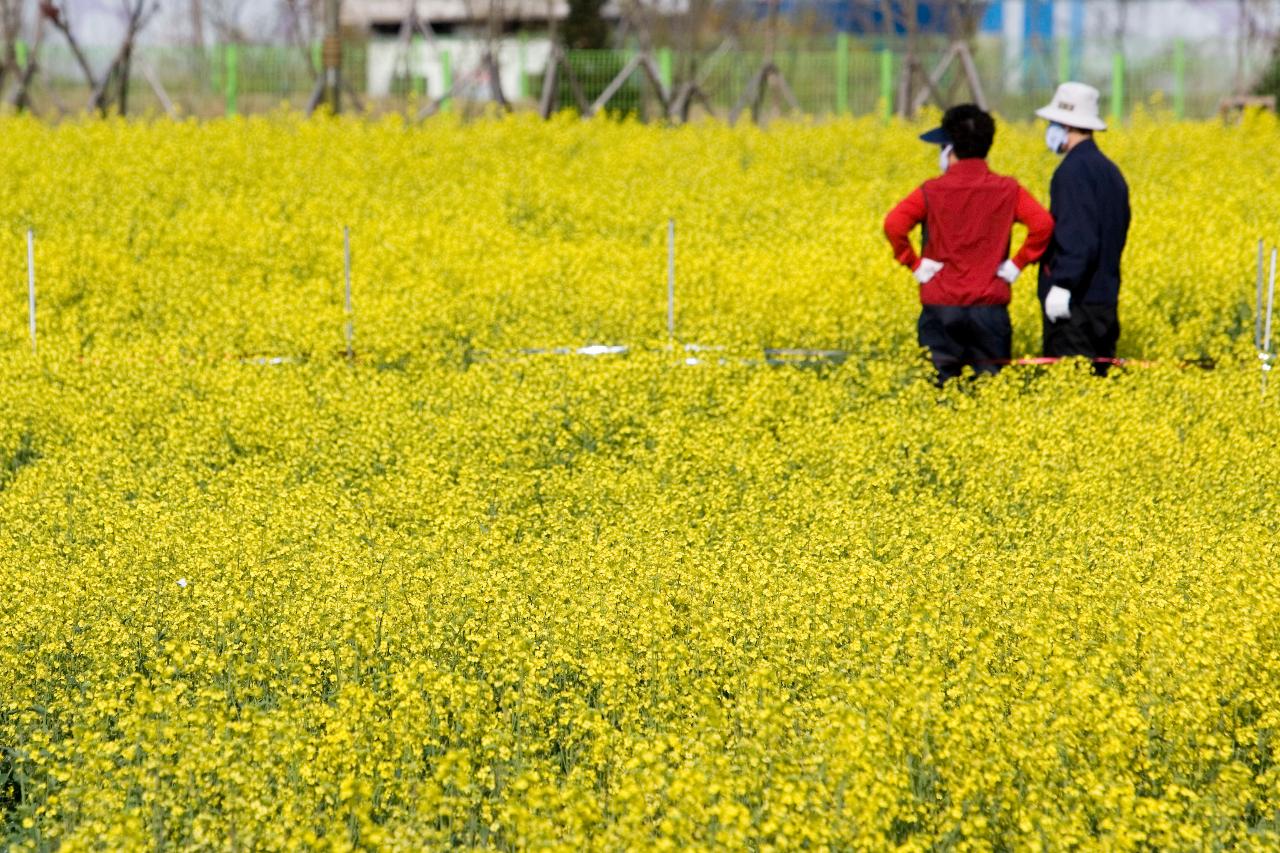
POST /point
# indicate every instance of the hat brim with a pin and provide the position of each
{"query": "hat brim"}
(937, 136)
(1067, 119)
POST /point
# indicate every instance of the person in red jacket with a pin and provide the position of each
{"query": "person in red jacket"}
(964, 269)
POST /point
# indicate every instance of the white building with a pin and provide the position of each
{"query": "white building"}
(456, 41)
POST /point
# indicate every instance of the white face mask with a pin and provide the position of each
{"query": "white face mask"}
(945, 159)
(1056, 138)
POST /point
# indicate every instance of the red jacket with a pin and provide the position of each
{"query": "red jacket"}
(968, 213)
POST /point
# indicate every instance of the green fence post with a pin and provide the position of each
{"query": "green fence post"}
(1064, 60)
(665, 65)
(231, 77)
(886, 84)
(317, 57)
(446, 75)
(20, 52)
(842, 73)
(1180, 79)
(1117, 87)
(522, 86)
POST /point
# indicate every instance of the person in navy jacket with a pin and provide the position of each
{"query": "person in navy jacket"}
(1089, 200)
(964, 269)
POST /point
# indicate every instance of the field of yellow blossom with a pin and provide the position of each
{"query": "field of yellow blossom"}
(461, 592)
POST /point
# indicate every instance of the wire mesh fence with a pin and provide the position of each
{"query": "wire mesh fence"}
(854, 76)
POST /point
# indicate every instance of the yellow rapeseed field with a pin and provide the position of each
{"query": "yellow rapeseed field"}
(452, 593)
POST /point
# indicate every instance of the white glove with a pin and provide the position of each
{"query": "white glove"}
(1008, 271)
(926, 269)
(1057, 304)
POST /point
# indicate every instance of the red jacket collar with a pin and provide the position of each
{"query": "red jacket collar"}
(970, 167)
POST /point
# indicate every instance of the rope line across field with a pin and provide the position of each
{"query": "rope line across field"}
(772, 356)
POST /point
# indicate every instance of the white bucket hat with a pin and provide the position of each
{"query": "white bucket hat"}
(1074, 105)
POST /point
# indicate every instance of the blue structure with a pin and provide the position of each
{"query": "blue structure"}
(866, 18)
(1035, 40)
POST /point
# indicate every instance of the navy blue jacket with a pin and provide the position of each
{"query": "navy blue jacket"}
(1089, 201)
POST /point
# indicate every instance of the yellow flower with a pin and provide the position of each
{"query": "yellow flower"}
(467, 590)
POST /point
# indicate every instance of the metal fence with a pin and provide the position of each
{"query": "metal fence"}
(1189, 80)
(853, 76)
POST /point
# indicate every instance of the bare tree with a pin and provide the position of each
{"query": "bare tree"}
(1244, 33)
(10, 33)
(53, 12)
(705, 44)
(137, 15)
(197, 24)
(916, 86)
(768, 77)
(304, 26)
(25, 72)
(493, 45)
(306, 21)
(226, 18)
(489, 70)
(964, 17)
(557, 63)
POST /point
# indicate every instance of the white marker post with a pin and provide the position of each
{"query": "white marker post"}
(31, 286)
(346, 263)
(671, 280)
(1266, 335)
(1257, 305)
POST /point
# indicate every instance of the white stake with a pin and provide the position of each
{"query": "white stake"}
(1271, 296)
(671, 279)
(1266, 337)
(346, 263)
(1257, 305)
(31, 286)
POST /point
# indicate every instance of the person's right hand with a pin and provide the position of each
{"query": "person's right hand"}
(926, 269)
(1008, 272)
(1057, 304)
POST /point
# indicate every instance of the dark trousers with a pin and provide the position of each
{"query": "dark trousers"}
(1091, 331)
(977, 336)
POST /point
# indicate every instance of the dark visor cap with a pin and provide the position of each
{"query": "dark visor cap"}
(937, 136)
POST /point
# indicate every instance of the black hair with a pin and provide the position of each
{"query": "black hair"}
(971, 131)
